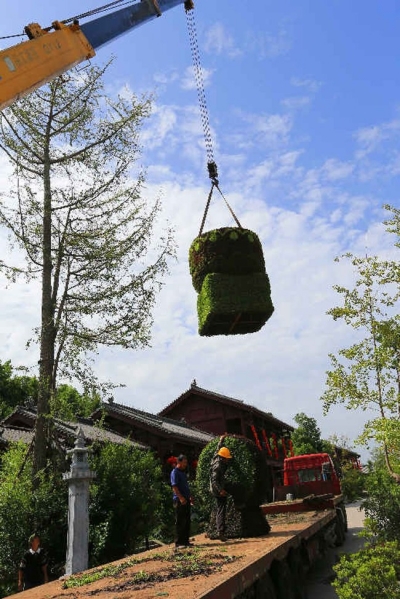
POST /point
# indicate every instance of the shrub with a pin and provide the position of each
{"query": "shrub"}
(125, 501)
(372, 573)
(352, 482)
(382, 505)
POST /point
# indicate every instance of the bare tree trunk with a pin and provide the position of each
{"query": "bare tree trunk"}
(43, 423)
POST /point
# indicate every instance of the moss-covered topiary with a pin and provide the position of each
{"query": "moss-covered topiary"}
(231, 305)
(229, 250)
(247, 470)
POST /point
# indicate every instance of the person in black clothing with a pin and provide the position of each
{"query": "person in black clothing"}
(182, 502)
(33, 567)
(218, 484)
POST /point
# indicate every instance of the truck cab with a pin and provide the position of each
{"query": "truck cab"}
(311, 474)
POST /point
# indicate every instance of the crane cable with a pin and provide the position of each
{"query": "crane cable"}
(204, 114)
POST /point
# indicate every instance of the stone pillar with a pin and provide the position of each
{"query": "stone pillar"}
(78, 479)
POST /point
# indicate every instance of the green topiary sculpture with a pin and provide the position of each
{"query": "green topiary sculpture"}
(247, 470)
(224, 297)
(228, 271)
(229, 251)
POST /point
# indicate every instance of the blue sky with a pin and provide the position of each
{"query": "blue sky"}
(305, 111)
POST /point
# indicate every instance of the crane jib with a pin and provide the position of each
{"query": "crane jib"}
(105, 29)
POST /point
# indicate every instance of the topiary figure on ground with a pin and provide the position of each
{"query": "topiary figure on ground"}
(247, 480)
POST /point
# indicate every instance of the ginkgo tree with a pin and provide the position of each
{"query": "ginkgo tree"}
(366, 375)
(78, 212)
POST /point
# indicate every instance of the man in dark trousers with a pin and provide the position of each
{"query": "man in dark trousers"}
(219, 465)
(33, 567)
(182, 502)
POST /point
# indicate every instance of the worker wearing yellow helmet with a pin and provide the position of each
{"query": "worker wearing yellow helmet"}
(219, 465)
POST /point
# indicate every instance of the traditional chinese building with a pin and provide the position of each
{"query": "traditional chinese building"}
(168, 437)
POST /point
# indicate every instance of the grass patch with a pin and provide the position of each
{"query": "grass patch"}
(182, 564)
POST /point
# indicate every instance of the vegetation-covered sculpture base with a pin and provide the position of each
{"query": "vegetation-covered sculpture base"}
(234, 304)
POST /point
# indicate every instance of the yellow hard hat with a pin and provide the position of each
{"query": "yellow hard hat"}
(225, 453)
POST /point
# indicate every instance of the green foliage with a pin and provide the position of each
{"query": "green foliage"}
(125, 507)
(15, 389)
(393, 225)
(353, 482)
(306, 438)
(224, 297)
(246, 468)
(229, 250)
(23, 511)
(371, 573)
(125, 500)
(68, 403)
(365, 375)
(382, 504)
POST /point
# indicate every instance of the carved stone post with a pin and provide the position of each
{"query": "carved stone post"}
(78, 479)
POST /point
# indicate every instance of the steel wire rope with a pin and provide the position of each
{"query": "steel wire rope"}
(198, 73)
(204, 114)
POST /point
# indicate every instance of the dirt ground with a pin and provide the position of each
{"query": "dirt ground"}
(153, 574)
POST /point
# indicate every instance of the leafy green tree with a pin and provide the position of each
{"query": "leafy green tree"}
(353, 482)
(24, 510)
(373, 572)
(76, 211)
(306, 437)
(125, 501)
(364, 376)
(67, 403)
(15, 389)
(382, 502)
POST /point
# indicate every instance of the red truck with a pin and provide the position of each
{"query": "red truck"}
(310, 482)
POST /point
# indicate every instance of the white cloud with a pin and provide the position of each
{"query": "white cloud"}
(166, 78)
(188, 81)
(219, 41)
(296, 102)
(311, 85)
(269, 45)
(271, 129)
(369, 138)
(334, 169)
(162, 123)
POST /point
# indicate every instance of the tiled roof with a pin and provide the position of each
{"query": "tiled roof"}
(9, 434)
(228, 400)
(92, 432)
(166, 426)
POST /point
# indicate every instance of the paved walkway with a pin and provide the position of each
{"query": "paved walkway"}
(321, 575)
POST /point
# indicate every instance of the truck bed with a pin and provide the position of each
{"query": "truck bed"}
(209, 570)
(309, 503)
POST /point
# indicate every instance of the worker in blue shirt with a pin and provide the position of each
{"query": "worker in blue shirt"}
(182, 502)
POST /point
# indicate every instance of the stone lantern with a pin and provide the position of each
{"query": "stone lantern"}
(78, 479)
